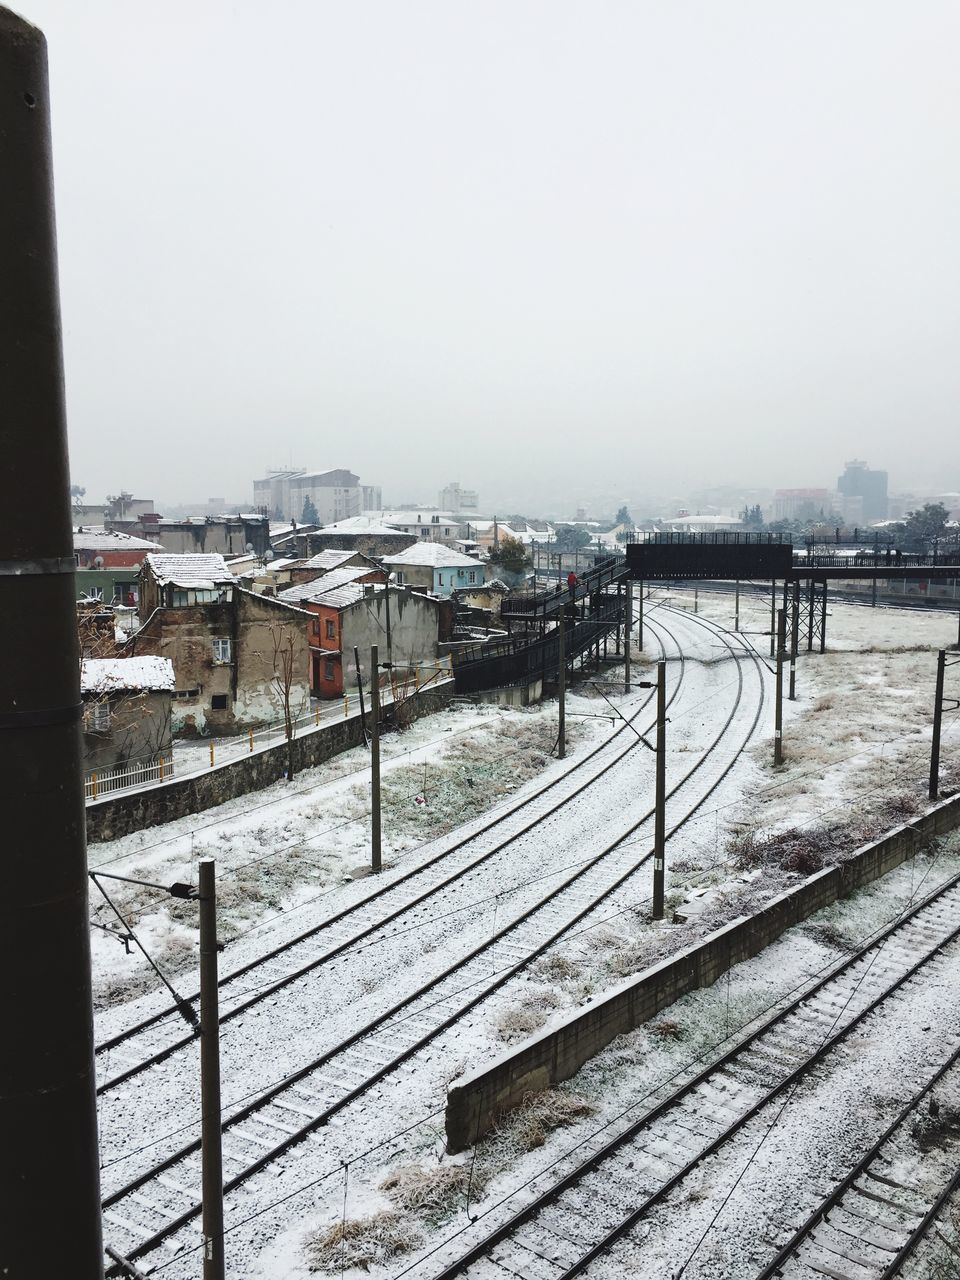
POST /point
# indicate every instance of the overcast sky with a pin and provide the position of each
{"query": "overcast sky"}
(558, 251)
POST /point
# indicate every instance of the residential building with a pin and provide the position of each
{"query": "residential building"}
(371, 498)
(99, 548)
(366, 534)
(430, 566)
(324, 562)
(802, 504)
(356, 615)
(336, 494)
(453, 498)
(127, 719)
(226, 534)
(223, 641)
(429, 525)
(858, 481)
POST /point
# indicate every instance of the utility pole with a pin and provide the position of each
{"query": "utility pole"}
(640, 618)
(736, 606)
(49, 1172)
(794, 640)
(374, 759)
(562, 684)
(660, 817)
(210, 1125)
(626, 637)
(778, 706)
(773, 617)
(363, 714)
(937, 717)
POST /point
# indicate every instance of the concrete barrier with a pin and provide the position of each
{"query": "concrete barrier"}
(118, 815)
(479, 1098)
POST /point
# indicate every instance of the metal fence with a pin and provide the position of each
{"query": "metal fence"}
(134, 773)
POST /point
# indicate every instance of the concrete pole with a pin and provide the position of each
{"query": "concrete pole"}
(773, 617)
(794, 640)
(562, 684)
(660, 818)
(375, 859)
(626, 638)
(736, 606)
(640, 618)
(823, 617)
(937, 718)
(49, 1169)
(210, 1126)
(778, 705)
(363, 714)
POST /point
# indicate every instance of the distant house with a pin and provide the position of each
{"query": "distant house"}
(325, 562)
(429, 525)
(127, 721)
(366, 534)
(99, 548)
(229, 535)
(223, 641)
(433, 567)
(357, 614)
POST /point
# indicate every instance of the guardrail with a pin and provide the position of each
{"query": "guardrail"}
(128, 776)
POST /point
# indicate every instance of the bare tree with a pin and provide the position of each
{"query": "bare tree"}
(283, 684)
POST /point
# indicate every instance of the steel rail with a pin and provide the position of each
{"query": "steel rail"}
(364, 933)
(615, 1144)
(630, 1221)
(148, 1245)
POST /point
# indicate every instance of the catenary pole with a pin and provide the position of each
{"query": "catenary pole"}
(211, 1130)
(778, 705)
(363, 714)
(562, 684)
(937, 719)
(660, 818)
(794, 640)
(49, 1179)
(375, 861)
(626, 637)
(640, 618)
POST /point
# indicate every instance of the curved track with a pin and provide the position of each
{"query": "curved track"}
(278, 1118)
(161, 1033)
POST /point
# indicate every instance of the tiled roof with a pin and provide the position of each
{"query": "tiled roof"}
(100, 539)
(321, 586)
(200, 570)
(113, 675)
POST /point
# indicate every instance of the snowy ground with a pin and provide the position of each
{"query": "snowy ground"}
(280, 871)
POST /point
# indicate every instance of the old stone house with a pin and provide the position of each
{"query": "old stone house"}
(237, 655)
(433, 567)
(127, 719)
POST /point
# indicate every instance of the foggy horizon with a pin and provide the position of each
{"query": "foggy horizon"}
(552, 252)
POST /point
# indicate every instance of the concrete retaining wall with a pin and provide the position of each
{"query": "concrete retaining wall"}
(476, 1101)
(116, 816)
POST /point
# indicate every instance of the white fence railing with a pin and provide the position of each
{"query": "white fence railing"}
(136, 773)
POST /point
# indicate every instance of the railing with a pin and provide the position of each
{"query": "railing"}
(546, 603)
(133, 773)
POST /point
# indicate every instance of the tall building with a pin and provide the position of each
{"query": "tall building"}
(336, 494)
(455, 499)
(858, 481)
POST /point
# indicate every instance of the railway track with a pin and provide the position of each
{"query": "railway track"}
(161, 1034)
(154, 1207)
(603, 1190)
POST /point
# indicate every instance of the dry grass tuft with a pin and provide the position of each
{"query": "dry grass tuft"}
(361, 1242)
(429, 1192)
(795, 850)
(540, 1113)
(667, 1029)
(527, 1016)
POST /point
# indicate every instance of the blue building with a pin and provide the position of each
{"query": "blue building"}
(433, 567)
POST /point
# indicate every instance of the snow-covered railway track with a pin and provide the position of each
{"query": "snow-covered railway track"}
(155, 1038)
(601, 1192)
(152, 1209)
(879, 1215)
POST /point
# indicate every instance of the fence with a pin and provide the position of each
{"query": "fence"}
(133, 773)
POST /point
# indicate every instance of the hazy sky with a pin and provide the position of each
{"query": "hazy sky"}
(553, 250)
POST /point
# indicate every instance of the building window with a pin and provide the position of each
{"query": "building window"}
(221, 650)
(316, 627)
(186, 694)
(399, 579)
(473, 575)
(96, 716)
(331, 629)
(328, 669)
(424, 533)
(218, 702)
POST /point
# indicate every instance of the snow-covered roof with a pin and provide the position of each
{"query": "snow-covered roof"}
(330, 559)
(434, 555)
(426, 515)
(200, 570)
(322, 586)
(100, 539)
(112, 675)
(363, 524)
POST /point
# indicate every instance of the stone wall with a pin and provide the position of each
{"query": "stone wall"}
(479, 1097)
(116, 816)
